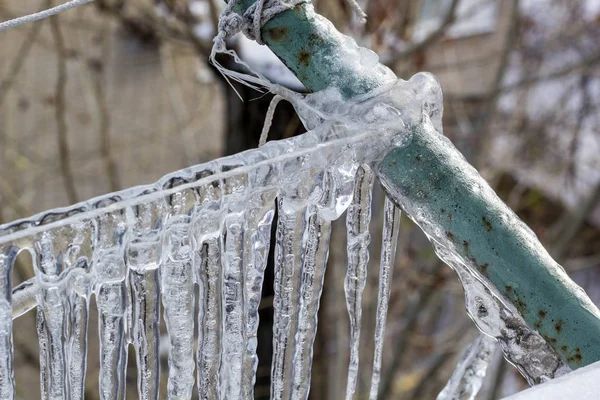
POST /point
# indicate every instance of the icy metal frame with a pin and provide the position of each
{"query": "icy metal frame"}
(424, 179)
(208, 225)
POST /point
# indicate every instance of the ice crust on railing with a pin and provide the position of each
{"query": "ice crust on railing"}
(145, 249)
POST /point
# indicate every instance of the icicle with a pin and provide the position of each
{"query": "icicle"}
(286, 297)
(78, 258)
(358, 219)
(145, 291)
(144, 253)
(232, 242)
(177, 281)
(112, 300)
(52, 319)
(144, 279)
(112, 305)
(389, 239)
(207, 261)
(8, 255)
(467, 378)
(256, 251)
(315, 248)
(77, 346)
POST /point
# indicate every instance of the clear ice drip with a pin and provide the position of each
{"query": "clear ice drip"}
(358, 219)
(286, 298)
(209, 317)
(232, 243)
(467, 378)
(143, 258)
(257, 238)
(389, 239)
(112, 299)
(177, 287)
(315, 249)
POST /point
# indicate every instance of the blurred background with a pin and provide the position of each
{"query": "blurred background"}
(119, 92)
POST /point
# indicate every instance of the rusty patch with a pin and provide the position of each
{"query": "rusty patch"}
(304, 57)
(558, 326)
(487, 224)
(278, 33)
(484, 268)
(549, 339)
(563, 348)
(450, 235)
(542, 314)
(450, 216)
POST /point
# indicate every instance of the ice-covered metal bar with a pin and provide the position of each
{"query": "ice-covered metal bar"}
(438, 188)
(207, 225)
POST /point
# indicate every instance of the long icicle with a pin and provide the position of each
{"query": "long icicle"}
(316, 250)
(177, 284)
(145, 308)
(52, 320)
(207, 253)
(112, 300)
(232, 242)
(77, 345)
(391, 222)
(256, 252)
(358, 218)
(143, 261)
(285, 301)
(145, 304)
(467, 378)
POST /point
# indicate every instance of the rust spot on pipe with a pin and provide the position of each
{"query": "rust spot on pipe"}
(304, 57)
(558, 326)
(487, 224)
(278, 33)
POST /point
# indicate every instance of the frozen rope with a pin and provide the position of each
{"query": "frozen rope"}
(269, 119)
(230, 23)
(357, 10)
(12, 23)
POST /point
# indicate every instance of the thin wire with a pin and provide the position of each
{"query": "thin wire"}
(13, 23)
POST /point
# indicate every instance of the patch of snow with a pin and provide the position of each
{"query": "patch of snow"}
(582, 384)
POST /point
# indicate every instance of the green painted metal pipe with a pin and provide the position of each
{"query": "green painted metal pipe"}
(431, 180)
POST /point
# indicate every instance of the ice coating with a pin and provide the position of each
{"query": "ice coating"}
(389, 239)
(467, 378)
(210, 225)
(522, 346)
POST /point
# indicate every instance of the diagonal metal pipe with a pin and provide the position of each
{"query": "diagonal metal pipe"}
(441, 191)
